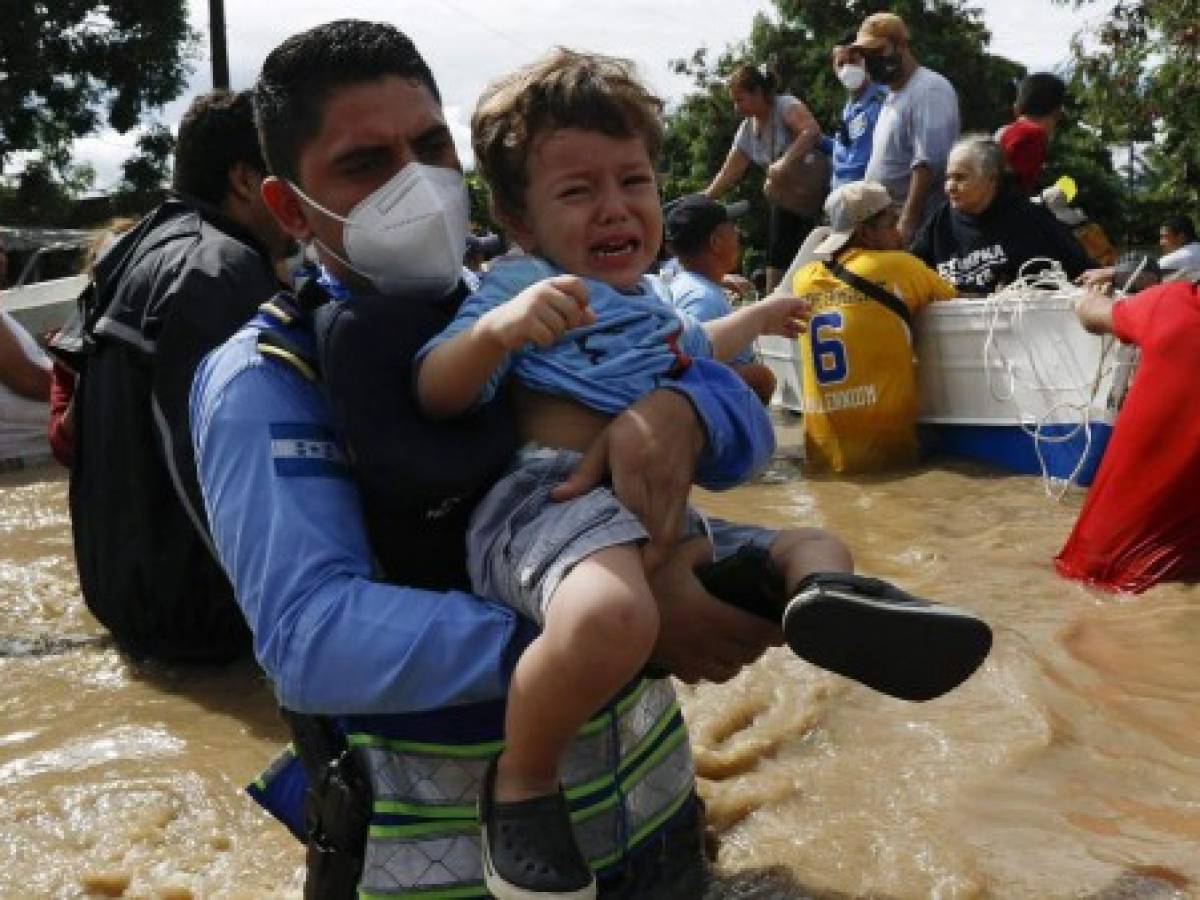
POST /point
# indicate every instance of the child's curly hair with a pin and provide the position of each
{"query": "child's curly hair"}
(564, 89)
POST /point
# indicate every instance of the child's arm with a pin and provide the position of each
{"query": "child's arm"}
(786, 316)
(452, 374)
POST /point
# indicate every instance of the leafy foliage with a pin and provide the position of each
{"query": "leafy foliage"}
(144, 175)
(1137, 79)
(70, 67)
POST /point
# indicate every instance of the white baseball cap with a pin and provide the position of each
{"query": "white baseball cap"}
(848, 207)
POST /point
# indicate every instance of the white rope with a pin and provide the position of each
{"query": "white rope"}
(1010, 304)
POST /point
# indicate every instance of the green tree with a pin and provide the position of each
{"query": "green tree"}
(70, 67)
(144, 175)
(947, 35)
(1137, 79)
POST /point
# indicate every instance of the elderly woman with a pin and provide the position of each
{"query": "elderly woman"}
(989, 229)
(776, 130)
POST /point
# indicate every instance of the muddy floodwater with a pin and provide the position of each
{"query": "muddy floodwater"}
(1069, 766)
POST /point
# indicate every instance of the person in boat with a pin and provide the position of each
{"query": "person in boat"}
(412, 674)
(988, 230)
(1135, 271)
(776, 131)
(849, 148)
(1140, 523)
(918, 123)
(860, 393)
(703, 236)
(169, 290)
(1040, 108)
(1180, 247)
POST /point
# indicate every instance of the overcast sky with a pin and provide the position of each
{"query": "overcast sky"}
(469, 42)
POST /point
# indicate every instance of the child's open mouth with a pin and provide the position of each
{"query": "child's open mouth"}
(612, 250)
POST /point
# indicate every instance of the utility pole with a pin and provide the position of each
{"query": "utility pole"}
(216, 38)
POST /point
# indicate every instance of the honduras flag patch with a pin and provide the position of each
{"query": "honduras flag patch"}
(307, 450)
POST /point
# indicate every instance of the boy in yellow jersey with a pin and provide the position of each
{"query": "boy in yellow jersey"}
(860, 393)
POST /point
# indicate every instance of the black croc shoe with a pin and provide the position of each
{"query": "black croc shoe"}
(873, 632)
(529, 850)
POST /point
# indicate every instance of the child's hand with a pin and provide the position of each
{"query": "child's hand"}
(784, 316)
(540, 314)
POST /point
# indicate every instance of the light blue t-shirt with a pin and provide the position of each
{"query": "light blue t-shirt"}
(703, 300)
(636, 342)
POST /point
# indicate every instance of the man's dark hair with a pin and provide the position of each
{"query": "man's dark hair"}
(217, 132)
(1182, 226)
(1040, 94)
(299, 75)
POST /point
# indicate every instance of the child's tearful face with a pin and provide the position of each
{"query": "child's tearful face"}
(591, 206)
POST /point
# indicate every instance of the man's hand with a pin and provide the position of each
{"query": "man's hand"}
(699, 636)
(541, 314)
(651, 451)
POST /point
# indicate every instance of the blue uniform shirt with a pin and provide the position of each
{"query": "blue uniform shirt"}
(288, 528)
(704, 300)
(851, 146)
(287, 523)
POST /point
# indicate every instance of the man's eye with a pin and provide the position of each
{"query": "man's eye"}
(361, 164)
(638, 180)
(435, 147)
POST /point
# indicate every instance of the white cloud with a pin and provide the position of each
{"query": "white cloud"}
(467, 42)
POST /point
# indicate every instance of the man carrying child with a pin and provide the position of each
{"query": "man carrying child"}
(567, 146)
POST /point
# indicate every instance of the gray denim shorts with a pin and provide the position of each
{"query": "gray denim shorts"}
(521, 544)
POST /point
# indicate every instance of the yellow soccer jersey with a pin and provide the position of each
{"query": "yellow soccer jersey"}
(860, 391)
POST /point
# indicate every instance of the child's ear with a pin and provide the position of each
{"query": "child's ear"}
(514, 226)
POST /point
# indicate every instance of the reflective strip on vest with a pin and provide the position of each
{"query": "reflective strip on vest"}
(627, 773)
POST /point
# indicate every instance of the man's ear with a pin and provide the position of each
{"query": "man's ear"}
(287, 207)
(715, 241)
(244, 181)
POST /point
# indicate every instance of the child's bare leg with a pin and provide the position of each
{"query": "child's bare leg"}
(600, 628)
(799, 552)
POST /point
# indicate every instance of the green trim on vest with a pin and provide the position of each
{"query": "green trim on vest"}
(426, 830)
(485, 750)
(634, 757)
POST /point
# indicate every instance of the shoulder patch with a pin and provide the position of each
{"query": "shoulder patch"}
(307, 450)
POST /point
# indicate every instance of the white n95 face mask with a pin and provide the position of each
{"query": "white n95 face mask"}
(852, 77)
(408, 236)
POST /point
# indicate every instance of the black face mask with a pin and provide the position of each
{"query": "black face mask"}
(883, 67)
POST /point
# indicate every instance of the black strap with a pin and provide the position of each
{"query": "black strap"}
(874, 291)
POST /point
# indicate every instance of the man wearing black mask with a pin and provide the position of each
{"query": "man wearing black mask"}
(917, 126)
